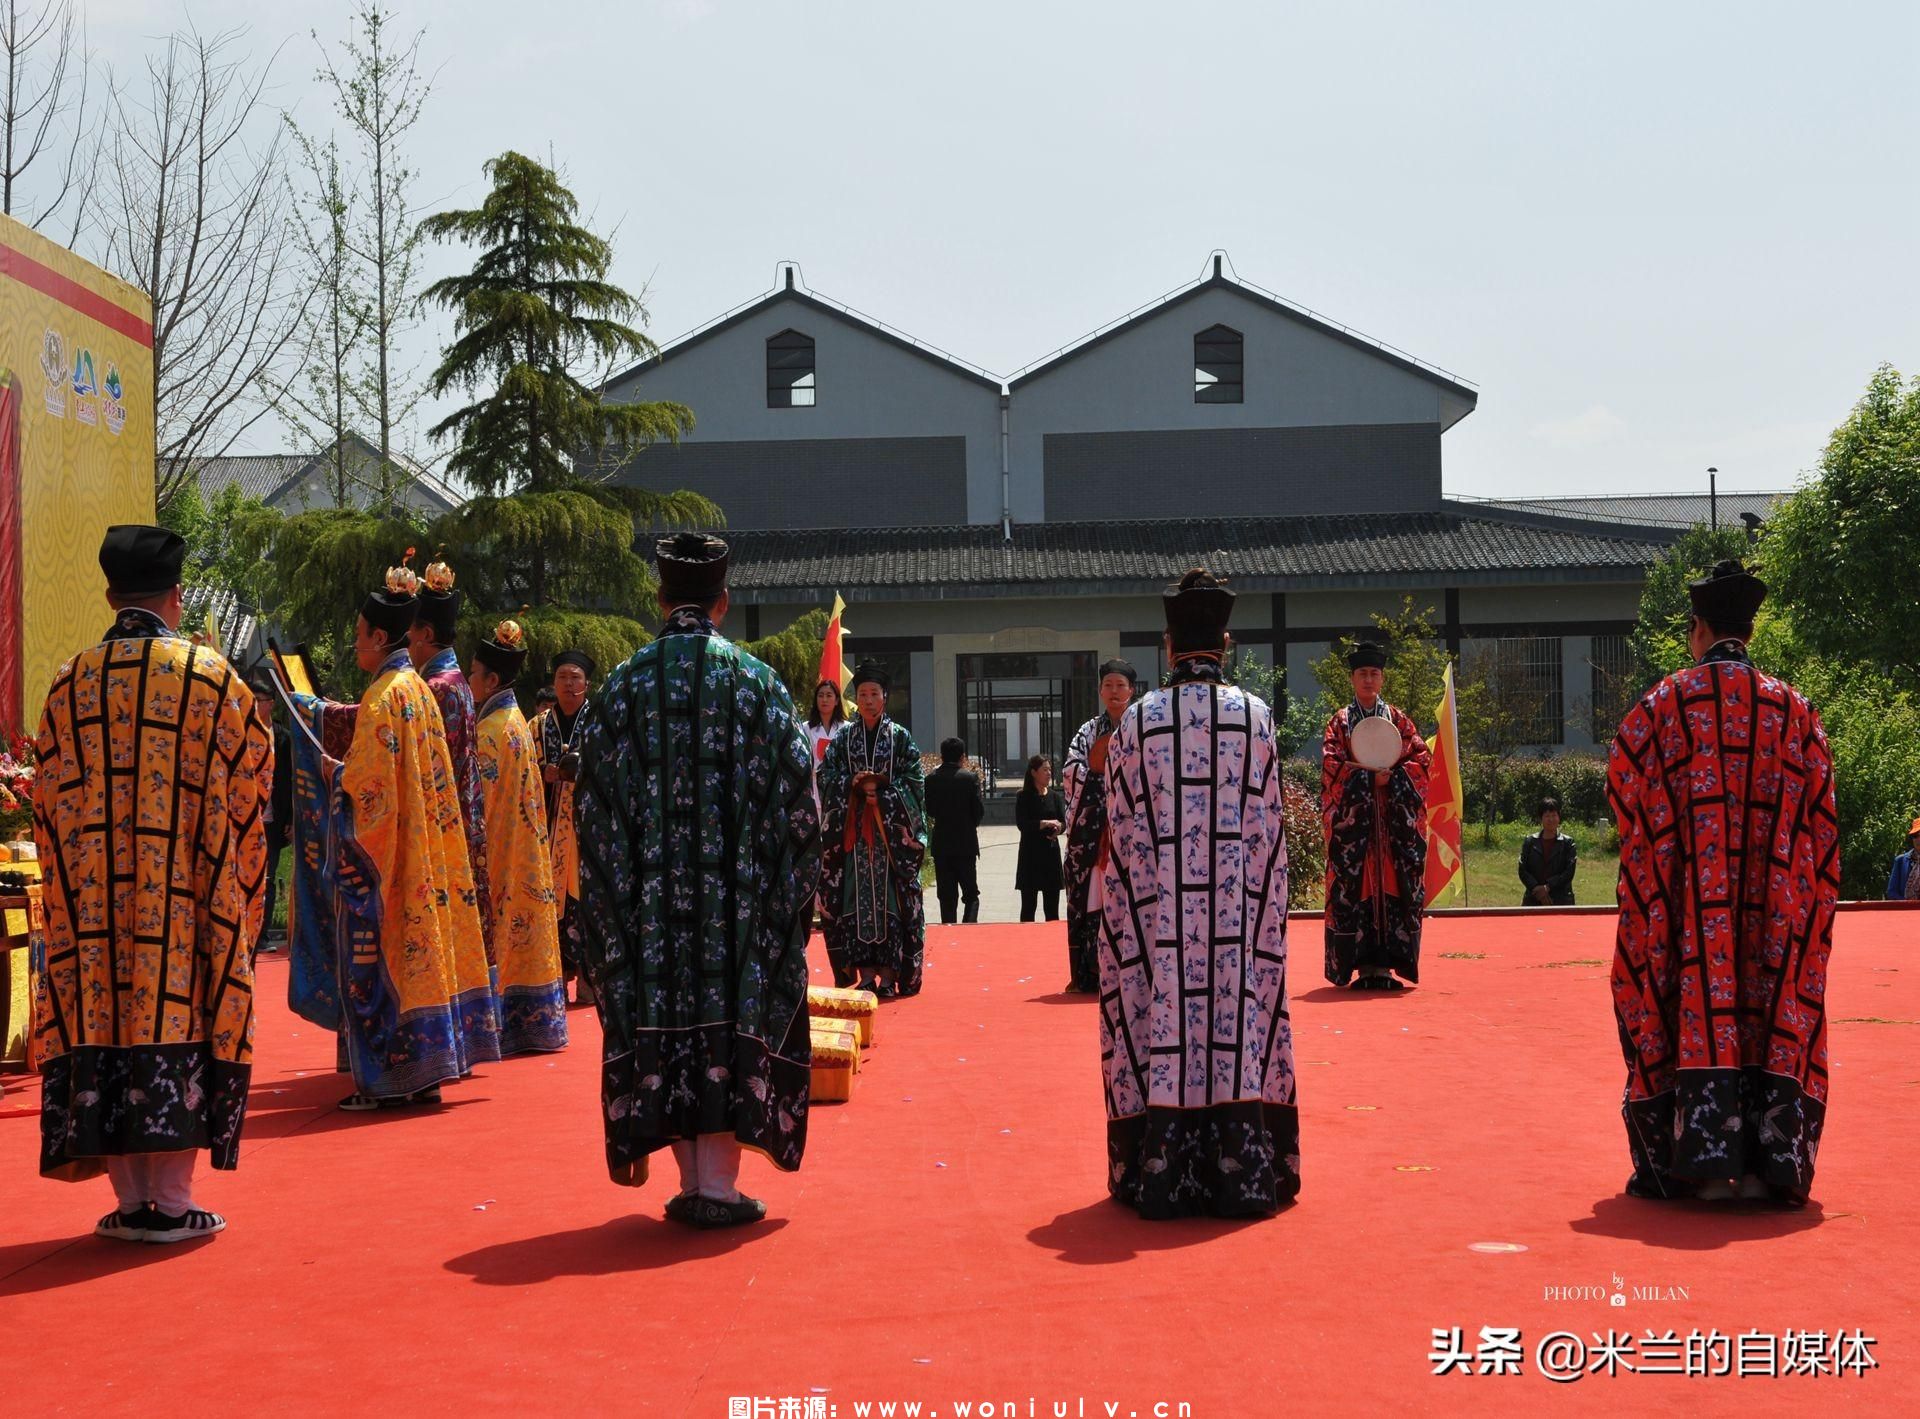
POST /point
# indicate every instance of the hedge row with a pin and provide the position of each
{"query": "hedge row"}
(1579, 781)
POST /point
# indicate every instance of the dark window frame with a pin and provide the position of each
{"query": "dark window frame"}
(1219, 354)
(1616, 683)
(792, 371)
(1531, 668)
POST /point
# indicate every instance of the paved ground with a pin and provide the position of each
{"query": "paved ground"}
(999, 850)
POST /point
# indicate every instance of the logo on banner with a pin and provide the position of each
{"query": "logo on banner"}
(86, 406)
(112, 407)
(53, 365)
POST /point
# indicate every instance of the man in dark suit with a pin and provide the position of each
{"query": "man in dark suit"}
(955, 806)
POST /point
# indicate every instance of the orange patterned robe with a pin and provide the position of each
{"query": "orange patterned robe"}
(526, 934)
(154, 771)
(414, 992)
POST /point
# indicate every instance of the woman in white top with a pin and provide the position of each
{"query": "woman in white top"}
(823, 721)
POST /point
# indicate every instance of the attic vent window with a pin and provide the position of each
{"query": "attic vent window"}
(790, 370)
(1218, 364)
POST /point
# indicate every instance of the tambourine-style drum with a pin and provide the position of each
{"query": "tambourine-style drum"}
(1376, 743)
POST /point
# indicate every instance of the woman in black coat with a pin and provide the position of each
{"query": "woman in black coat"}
(1040, 812)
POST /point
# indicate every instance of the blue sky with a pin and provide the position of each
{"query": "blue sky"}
(1657, 237)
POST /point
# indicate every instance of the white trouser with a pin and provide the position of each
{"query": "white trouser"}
(164, 1179)
(710, 1166)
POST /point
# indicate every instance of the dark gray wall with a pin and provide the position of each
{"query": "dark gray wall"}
(1206, 472)
(1139, 384)
(824, 482)
(871, 391)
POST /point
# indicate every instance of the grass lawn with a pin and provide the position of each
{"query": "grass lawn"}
(282, 895)
(1493, 872)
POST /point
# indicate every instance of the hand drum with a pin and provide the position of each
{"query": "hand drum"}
(1376, 743)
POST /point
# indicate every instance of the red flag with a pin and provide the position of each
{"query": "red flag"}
(833, 666)
(1446, 864)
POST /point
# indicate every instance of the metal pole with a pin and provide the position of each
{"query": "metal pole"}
(1713, 498)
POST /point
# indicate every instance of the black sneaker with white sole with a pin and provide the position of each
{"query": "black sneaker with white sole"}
(125, 1226)
(190, 1226)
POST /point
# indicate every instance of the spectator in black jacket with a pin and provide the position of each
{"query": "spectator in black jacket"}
(955, 806)
(1547, 861)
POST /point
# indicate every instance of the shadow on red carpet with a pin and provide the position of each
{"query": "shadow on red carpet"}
(1695, 1226)
(1103, 1233)
(620, 1244)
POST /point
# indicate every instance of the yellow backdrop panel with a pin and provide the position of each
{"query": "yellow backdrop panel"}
(78, 345)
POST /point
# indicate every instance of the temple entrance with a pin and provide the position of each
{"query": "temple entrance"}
(1013, 706)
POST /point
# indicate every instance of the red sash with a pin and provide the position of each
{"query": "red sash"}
(864, 824)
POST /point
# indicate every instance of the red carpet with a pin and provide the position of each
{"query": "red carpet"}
(949, 1239)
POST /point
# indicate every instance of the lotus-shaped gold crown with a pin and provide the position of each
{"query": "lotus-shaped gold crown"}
(508, 635)
(439, 577)
(403, 580)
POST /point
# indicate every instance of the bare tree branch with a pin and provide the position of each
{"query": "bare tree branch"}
(45, 75)
(314, 404)
(192, 205)
(379, 93)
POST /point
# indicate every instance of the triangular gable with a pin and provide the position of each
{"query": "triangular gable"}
(793, 295)
(1465, 394)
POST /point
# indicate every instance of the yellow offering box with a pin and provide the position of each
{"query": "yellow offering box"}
(836, 1059)
(858, 1007)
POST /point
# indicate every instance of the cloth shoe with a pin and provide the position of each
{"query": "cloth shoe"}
(190, 1226)
(125, 1226)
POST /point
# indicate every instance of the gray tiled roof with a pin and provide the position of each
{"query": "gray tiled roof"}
(259, 475)
(274, 477)
(1676, 510)
(237, 623)
(1270, 553)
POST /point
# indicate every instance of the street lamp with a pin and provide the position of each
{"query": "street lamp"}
(1713, 498)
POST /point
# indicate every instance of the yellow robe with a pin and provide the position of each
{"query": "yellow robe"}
(526, 936)
(154, 773)
(417, 1000)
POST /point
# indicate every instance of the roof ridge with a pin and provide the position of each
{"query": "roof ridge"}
(1620, 497)
(1292, 310)
(840, 309)
(994, 528)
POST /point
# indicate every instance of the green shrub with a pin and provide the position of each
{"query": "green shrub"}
(1306, 842)
(1578, 780)
(1875, 738)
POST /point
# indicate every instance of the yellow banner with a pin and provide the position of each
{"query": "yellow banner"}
(1446, 805)
(76, 366)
